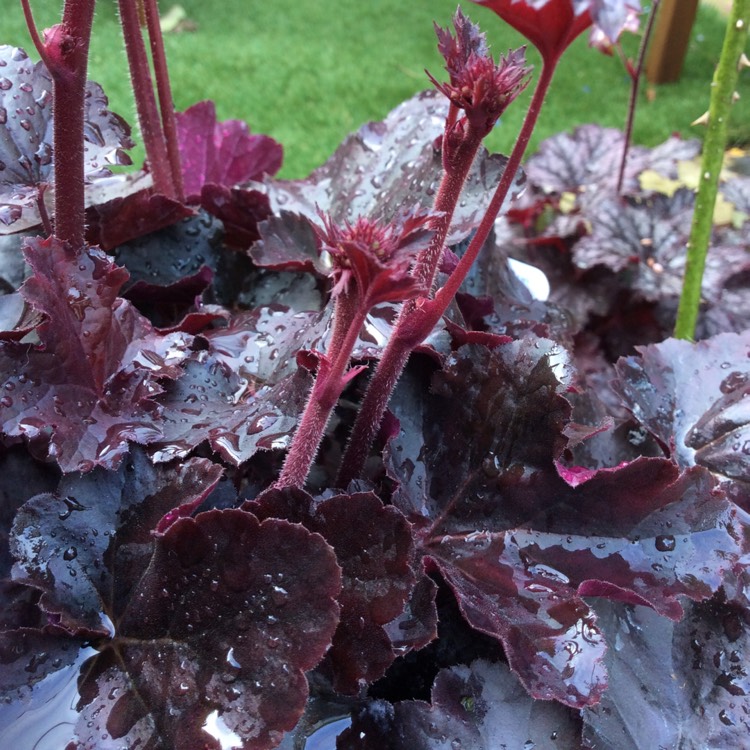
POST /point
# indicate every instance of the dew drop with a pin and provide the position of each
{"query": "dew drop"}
(5, 84)
(71, 505)
(665, 543)
(231, 659)
(279, 595)
(70, 554)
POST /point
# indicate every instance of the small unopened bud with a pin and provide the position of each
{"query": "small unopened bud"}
(478, 85)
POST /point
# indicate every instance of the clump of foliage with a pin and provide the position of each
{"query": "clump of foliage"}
(281, 451)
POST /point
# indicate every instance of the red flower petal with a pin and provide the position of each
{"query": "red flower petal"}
(550, 28)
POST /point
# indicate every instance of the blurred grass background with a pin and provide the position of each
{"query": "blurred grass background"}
(308, 73)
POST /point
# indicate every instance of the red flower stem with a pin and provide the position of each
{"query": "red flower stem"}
(636, 76)
(148, 114)
(457, 161)
(452, 285)
(329, 383)
(411, 330)
(34, 33)
(164, 92)
(65, 52)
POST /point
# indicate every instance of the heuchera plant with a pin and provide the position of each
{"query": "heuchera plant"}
(308, 464)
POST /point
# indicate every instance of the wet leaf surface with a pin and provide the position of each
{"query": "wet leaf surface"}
(519, 545)
(88, 388)
(707, 706)
(707, 425)
(473, 708)
(378, 579)
(26, 137)
(71, 543)
(533, 515)
(388, 167)
(198, 623)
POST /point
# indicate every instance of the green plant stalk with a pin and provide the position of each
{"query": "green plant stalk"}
(722, 96)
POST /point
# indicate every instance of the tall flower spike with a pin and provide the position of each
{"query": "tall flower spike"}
(373, 261)
(479, 86)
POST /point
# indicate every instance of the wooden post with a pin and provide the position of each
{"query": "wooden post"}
(670, 42)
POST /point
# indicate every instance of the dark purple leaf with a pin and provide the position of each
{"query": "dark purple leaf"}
(378, 579)
(518, 545)
(169, 256)
(20, 478)
(416, 626)
(250, 608)
(221, 153)
(240, 211)
(681, 684)
(473, 707)
(508, 418)
(289, 241)
(390, 167)
(128, 218)
(16, 317)
(63, 541)
(200, 624)
(88, 387)
(243, 392)
(26, 153)
(693, 399)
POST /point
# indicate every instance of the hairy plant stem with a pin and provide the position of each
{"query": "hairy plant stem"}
(349, 317)
(636, 75)
(143, 89)
(65, 51)
(164, 92)
(457, 161)
(722, 96)
(413, 328)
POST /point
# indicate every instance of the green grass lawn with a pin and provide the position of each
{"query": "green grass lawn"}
(308, 73)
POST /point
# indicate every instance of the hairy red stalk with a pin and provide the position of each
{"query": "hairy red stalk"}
(148, 113)
(329, 384)
(457, 163)
(64, 50)
(413, 328)
(164, 92)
